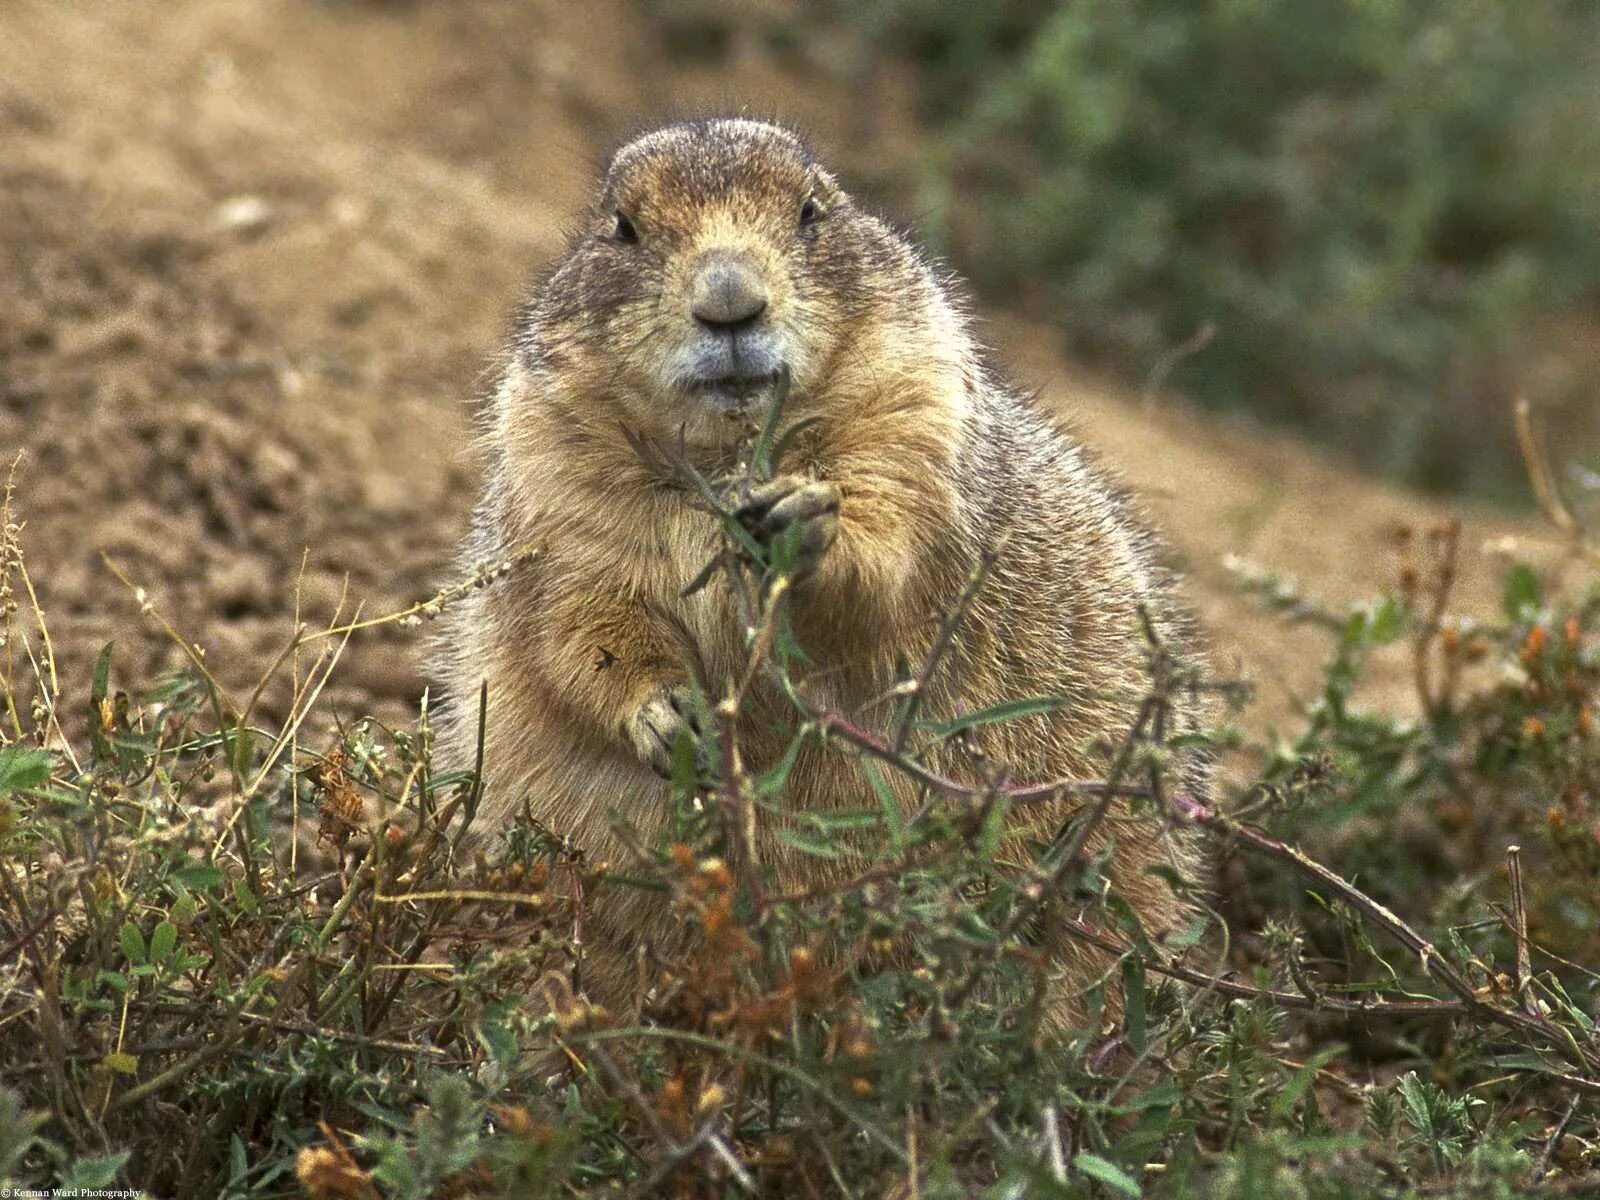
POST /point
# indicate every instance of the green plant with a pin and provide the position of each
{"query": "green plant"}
(200, 1005)
(1351, 213)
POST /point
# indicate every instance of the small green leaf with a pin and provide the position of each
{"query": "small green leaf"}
(807, 844)
(1522, 592)
(1104, 1171)
(894, 817)
(21, 768)
(241, 744)
(122, 1064)
(851, 818)
(1010, 711)
(762, 458)
(162, 941)
(84, 1175)
(244, 897)
(133, 947)
(1574, 1012)
(1297, 1084)
(102, 674)
(198, 877)
(784, 551)
(994, 828)
(1385, 622)
(684, 767)
(772, 782)
(1354, 630)
(497, 1036)
(1415, 1098)
(113, 979)
(1133, 1002)
(1187, 937)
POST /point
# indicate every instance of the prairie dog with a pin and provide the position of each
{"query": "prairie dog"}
(714, 256)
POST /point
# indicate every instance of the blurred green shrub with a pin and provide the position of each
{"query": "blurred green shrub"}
(1372, 203)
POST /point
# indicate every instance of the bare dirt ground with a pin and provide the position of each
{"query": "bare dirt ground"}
(254, 255)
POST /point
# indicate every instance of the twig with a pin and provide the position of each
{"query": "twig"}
(1545, 490)
(1555, 1137)
(917, 686)
(1198, 341)
(846, 730)
(735, 1167)
(1322, 1002)
(1067, 857)
(1521, 971)
(1432, 962)
(435, 604)
(1435, 702)
(179, 1071)
(740, 805)
(791, 1073)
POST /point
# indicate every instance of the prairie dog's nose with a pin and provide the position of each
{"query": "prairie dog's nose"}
(727, 292)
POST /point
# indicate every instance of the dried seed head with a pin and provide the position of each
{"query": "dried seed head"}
(518, 1122)
(715, 871)
(331, 1174)
(711, 1099)
(1533, 644)
(1585, 720)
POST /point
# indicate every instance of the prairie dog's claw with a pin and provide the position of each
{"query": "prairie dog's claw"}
(655, 727)
(790, 502)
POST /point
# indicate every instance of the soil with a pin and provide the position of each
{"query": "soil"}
(255, 255)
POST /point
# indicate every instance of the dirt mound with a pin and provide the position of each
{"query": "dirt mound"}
(155, 408)
(255, 257)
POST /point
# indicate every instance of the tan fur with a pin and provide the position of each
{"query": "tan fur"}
(934, 459)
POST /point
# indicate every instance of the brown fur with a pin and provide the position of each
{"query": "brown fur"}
(934, 459)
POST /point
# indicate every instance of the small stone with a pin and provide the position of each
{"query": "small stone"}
(247, 215)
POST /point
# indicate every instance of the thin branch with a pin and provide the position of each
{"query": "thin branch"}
(917, 686)
(846, 730)
(1545, 490)
(1432, 962)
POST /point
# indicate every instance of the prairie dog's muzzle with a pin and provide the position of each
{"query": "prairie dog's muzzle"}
(727, 293)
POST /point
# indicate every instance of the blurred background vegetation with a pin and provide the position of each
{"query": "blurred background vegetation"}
(1371, 220)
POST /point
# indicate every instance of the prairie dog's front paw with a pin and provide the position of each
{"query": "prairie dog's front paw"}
(655, 727)
(794, 502)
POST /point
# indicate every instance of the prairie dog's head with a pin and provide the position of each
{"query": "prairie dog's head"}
(715, 254)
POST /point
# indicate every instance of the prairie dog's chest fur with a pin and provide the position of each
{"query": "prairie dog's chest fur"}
(609, 530)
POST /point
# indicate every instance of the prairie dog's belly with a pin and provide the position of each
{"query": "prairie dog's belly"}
(576, 791)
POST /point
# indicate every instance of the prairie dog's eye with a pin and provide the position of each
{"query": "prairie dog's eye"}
(625, 231)
(810, 213)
